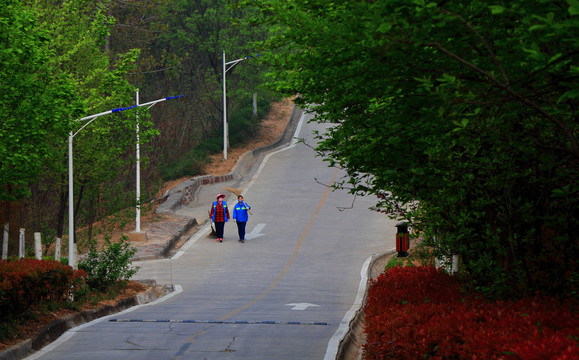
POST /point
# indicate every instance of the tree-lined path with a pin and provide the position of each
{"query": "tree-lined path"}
(292, 281)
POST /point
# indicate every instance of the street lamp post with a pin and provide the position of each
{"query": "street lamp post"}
(226, 67)
(91, 118)
(138, 174)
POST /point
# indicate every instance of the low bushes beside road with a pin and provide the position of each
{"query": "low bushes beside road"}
(28, 282)
(423, 313)
(33, 290)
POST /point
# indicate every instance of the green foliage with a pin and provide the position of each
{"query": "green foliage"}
(191, 164)
(55, 69)
(188, 50)
(397, 261)
(211, 145)
(103, 152)
(242, 124)
(194, 161)
(465, 109)
(242, 127)
(106, 267)
(36, 103)
(91, 48)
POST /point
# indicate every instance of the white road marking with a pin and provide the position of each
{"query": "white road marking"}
(256, 232)
(332, 349)
(192, 240)
(301, 306)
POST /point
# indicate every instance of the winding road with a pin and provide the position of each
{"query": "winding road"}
(288, 292)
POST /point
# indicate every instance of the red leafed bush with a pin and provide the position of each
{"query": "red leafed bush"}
(420, 312)
(27, 282)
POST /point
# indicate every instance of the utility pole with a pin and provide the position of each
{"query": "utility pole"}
(91, 118)
(226, 67)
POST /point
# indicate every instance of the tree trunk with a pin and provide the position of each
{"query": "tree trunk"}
(76, 208)
(254, 106)
(63, 199)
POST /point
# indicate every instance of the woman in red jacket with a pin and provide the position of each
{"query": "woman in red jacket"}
(219, 215)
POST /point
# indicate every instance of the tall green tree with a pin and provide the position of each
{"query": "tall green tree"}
(79, 31)
(36, 104)
(74, 37)
(467, 109)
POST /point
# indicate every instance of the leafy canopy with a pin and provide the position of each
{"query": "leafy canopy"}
(36, 104)
(465, 108)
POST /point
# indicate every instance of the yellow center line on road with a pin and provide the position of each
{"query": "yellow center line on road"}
(274, 283)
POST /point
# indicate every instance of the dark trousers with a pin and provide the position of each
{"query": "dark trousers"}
(219, 226)
(241, 229)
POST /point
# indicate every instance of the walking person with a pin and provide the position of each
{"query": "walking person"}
(219, 215)
(240, 217)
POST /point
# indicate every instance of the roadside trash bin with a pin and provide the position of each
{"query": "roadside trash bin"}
(402, 242)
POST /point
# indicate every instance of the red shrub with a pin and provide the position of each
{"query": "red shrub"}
(27, 282)
(419, 312)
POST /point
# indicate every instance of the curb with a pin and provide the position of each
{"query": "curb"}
(164, 250)
(56, 328)
(184, 193)
(171, 243)
(350, 343)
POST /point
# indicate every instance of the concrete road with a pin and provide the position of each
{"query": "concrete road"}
(286, 293)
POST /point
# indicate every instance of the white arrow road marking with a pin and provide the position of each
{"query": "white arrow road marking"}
(256, 232)
(301, 306)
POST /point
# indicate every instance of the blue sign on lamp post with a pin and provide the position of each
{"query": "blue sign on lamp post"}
(71, 259)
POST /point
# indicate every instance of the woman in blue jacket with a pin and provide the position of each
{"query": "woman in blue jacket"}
(240, 217)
